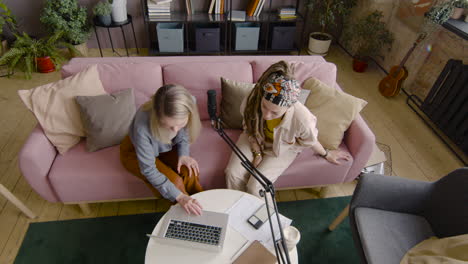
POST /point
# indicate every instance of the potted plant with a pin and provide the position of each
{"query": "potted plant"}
(458, 8)
(439, 14)
(103, 10)
(31, 54)
(71, 19)
(119, 11)
(326, 14)
(366, 38)
(6, 19)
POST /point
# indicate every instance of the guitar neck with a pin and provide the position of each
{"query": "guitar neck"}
(406, 57)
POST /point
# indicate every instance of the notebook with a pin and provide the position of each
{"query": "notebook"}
(254, 254)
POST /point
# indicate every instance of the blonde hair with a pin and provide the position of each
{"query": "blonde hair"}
(173, 101)
(253, 121)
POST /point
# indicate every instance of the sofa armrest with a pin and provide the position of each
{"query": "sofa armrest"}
(360, 141)
(35, 160)
(391, 193)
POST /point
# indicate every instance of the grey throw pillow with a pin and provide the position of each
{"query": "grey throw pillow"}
(233, 93)
(106, 118)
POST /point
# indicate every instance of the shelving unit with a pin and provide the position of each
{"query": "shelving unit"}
(267, 20)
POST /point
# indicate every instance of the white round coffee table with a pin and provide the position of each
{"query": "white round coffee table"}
(213, 200)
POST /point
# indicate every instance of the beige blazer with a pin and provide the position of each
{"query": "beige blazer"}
(297, 130)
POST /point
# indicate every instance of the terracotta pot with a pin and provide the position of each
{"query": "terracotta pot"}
(457, 13)
(359, 65)
(45, 65)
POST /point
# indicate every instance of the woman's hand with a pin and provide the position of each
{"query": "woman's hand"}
(257, 159)
(335, 155)
(190, 205)
(191, 164)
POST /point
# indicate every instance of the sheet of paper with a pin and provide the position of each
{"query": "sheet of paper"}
(244, 208)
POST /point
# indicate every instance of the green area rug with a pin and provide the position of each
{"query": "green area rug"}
(122, 239)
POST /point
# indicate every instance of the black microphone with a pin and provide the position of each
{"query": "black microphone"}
(212, 105)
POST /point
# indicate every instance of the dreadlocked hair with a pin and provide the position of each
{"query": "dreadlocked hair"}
(253, 121)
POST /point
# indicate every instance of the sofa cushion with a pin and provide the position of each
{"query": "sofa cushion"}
(334, 109)
(106, 118)
(55, 109)
(233, 93)
(308, 164)
(94, 176)
(145, 77)
(200, 77)
(324, 71)
(386, 236)
(212, 155)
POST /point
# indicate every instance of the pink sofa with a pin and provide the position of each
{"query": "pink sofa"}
(81, 177)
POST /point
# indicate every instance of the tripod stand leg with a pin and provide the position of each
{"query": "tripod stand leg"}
(339, 219)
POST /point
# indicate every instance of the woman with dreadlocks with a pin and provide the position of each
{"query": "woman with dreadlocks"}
(276, 129)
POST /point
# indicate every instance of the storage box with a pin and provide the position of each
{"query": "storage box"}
(170, 37)
(247, 35)
(283, 37)
(207, 37)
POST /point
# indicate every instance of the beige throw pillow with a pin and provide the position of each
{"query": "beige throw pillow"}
(106, 118)
(334, 109)
(233, 93)
(54, 106)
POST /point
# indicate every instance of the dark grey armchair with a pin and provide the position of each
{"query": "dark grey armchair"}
(390, 215)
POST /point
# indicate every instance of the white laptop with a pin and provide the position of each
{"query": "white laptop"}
(206, 232)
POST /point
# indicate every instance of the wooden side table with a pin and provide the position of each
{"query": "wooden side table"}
(114, 25)
(12, 198)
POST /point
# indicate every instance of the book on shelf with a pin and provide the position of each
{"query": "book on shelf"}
(236, 15)
(217, 7)
(158, 2)
(287, 12)
(259, 8)
(212, 5)
(254, 7)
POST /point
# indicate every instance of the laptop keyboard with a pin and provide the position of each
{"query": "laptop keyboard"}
(193, 232)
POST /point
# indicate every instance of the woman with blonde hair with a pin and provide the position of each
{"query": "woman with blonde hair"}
(157, 147)
(276, 129)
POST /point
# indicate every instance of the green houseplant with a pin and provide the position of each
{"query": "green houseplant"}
(31, 54)
(7, 19)
(70, 18)
(103, 10)
(326, 13)
(366, 39)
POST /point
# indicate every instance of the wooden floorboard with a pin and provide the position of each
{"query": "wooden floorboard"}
(416, 152)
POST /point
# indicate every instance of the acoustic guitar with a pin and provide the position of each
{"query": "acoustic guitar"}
(391, 84)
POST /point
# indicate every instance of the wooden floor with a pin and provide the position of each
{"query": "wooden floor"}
(416, 152)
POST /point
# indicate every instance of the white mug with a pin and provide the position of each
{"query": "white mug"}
(291, 237)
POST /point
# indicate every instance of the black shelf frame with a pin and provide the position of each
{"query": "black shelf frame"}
(266, 19)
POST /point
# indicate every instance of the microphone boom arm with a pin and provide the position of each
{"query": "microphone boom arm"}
(282, 254)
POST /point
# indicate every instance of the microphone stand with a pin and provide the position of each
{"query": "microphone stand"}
(282, 254)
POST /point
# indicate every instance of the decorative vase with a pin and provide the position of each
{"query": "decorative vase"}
(105, 20)
(359, 65)
(319, 43)
(457, 13)
(119, 11)
(45, 64)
